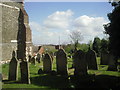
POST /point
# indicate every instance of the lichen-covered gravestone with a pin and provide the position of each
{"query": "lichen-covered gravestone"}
(91, 60)
(25, 77)
(47, 63)
(80, 63)
(13, 68)
(61, 62)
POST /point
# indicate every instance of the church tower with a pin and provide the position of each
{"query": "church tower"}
(15, 32)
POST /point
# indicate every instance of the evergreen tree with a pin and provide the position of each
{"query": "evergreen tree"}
(113, 29)
(96, 45)
(104, 46)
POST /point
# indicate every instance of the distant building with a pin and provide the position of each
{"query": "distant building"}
(16, 32)
(38, 49)
(58, 46)
(41, 50)
(44, 48)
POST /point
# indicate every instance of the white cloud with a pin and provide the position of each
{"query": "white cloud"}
(35, 26)
(42, 35)
(59, 19)
(61, 23)
(90, 27)
(83, 21)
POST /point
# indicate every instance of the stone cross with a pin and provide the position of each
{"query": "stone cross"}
(61, 62)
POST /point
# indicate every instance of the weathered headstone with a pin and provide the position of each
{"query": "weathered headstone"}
(104, 58)
(38, 58)
(80, 63)
(112, 63)
(40, 71)
(118, 66)
(1, 77)
(25, 77)
(91, 60)
(52, 55)
(47, 63)
(29, 58)
(33, 61)
(13, 68)
(61, 62)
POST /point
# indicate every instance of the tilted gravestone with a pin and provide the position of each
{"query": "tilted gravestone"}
(25, 77)
(61, 62)
(47, 63)
(13, 68)
(104, 58)
(80, 63)
(91, 60)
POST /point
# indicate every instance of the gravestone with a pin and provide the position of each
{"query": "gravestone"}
(40, 71)
(80, 63)
(25, 77)
(112, 63)
(47, 63)
(104, 58)
(38, 58)
(52, 55)
(29, 58)
(1, 77)
(33, 60)
(61, 62)
(118, 66)
(91, 60)
(13, 68)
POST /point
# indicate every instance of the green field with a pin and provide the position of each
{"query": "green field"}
(49, 81)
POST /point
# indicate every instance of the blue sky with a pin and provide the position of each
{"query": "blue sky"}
(51, 20)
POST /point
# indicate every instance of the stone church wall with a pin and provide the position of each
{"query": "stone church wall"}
(16, 32)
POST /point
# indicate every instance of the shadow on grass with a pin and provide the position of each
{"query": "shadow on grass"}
(52, 81)
(11, 82)
(102, 82)
(99, 82)
(89, 81)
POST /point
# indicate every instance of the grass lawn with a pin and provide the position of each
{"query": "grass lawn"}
(56, 82)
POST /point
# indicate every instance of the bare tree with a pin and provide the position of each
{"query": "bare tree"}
(76, 37)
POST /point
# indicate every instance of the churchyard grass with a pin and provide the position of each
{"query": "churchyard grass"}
(5, 69)
(49, 81)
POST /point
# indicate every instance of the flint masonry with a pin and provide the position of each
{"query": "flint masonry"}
(16, 32)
